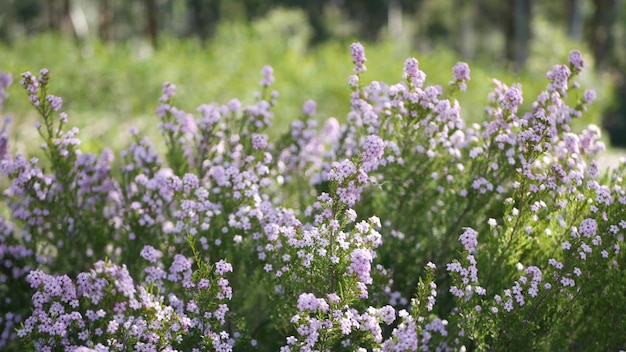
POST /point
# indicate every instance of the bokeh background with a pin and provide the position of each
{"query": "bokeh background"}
(108, 58)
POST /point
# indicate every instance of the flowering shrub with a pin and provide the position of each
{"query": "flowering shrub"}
(403, 229)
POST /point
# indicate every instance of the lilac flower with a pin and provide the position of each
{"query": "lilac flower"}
(307, 302)
(309, 108)
(84, 349)
(413, 74)
(342, 170)
(4, 138)
(358, 57)
(268, 76)
(512, 98)
(361, 264)
(234, 105)
(55, 102)
(589, 96)
(353, 81)
(387, 314)
(588, 227)
(150, 254)
(559, 76)
(576, 60)
(5, 81)
(31, 84)
(259, 141)
(469, 239)
(373, 148)
(461, 73)
(169, 90)
(226, 292)
(404, 336)
(223, 267)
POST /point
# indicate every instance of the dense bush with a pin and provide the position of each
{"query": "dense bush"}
(332, 237)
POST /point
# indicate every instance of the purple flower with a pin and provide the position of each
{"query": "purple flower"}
(307, 301)
(358, 57)
(387, 314)
(31, 84)
(361, 264)
(342, 170)
(373, 148)
(5, 81)
(559, 75)
(589, 96)
(461, 73)
(55, 102)
(259, 141)
(234, 105)
(353, 81)
(588, 227)
(576, 60)
(412, 73)
(469, 239)
(268, 76)
(226, 292)
(512, 98)
(150, 254)
(169, 89)
(223, 267)
(332, 130)
(309, 107)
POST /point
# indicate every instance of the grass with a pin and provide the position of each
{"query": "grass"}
(109, 87)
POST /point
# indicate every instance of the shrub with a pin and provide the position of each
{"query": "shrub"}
(344, 237)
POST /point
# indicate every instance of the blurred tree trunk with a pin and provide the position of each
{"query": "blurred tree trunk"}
(105, 21)
(373, 17)
(58, 16)
(153, 24)
(203, 17)
(575, 20)
(315, 13)
(66, 21)
(517, 31)
(79, 23)
(601, 37)
(394, 19)
(467, 37)
(51, 15)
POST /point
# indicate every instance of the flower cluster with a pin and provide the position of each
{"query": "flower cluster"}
(68, 314)
(105, 310)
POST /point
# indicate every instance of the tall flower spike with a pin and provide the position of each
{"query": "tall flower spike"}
(358, 57)
(5, 81)
(31, 84)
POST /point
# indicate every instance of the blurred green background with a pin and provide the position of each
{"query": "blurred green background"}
(109, 58)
